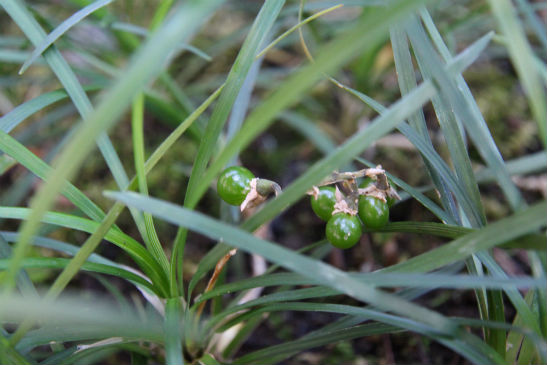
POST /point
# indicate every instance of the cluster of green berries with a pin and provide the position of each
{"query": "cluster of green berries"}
(367, 205)
(343, 229)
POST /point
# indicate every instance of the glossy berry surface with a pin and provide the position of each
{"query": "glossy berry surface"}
(323, 203)
(234, 184)
(373, 212)
(366, 182)
(343, 230)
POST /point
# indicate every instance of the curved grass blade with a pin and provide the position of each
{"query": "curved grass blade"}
(476, 126)
(407, 81)
(522, 58)
(535, 162)
(173, 333)
(384, 280)
(135, 29)
(125, 242)
(62, 29)
(449, 106)
(60, 263)
(507, 229)
(137, 124)
(98, 318)
(277, 353)
(59, 246)
(466, 348)
(25, 110)
(21, 154)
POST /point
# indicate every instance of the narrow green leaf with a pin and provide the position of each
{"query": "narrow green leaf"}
(507, 229)
(137, 124)
(39, 168)
(135, 29)
(98, 317)
(61, 263)
(466, 349)
(62, 29)
(59, 246)
(407, 81)
(173, 333)
(474, 121)
(125, 242)
(12, 119)
(522, 58)
(449, 106)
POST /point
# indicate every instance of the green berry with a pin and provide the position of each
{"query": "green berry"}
(343, 230)
(323, 203)
(366, 182)
(373, 212)
(233, 185)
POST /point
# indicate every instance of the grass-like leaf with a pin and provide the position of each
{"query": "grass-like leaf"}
(62, 29)
(522, 58)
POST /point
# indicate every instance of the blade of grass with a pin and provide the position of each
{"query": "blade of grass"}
(534, 21)
(135, 29)
(62, 29)
(98, 317)
(528, 318)
(477, 127)
(407, 82)
(297, 26)
(125, 242)
(59, 246)
(522, 58)
(465, 349)
(12, 119)
(507, 229)
(173, 333)
(39, 168)
(384, 280)
(61, 263)
(449, 106)
(152, 243)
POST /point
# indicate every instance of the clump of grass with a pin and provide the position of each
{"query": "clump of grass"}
(187, 81)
